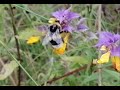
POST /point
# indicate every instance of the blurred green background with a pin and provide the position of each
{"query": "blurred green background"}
(43, 65)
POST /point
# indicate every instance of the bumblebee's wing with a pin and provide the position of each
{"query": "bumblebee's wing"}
(43, 29)
(50, 36)
(46, 39)
(58, 39)
(56, 36)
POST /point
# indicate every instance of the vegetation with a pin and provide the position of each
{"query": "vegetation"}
(38, 65)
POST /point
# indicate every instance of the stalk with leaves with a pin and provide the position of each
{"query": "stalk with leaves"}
(17, 42)
(99, 29)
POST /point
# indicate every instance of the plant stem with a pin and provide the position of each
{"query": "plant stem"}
(99, 29)
(17, 43)
(67, 74)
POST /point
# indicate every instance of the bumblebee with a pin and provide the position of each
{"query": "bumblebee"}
(53, 36)
(56, 37)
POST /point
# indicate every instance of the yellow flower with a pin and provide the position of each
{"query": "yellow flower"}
(33, 39)
(116, 62)
(104, 58)
(62, 49)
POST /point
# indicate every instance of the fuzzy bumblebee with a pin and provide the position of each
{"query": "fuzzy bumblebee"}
(56, 37)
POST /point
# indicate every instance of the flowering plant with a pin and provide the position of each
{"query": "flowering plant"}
(64, 19)
(110, 45)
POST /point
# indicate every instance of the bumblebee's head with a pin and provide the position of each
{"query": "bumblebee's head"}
(55, 25)
(53, 21)
(54, 28)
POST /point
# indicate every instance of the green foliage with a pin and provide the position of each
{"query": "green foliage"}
(39, 63)
(76, 59)
(28, 32)
(1, 21)
(8, 69)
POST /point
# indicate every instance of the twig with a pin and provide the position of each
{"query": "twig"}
(67, 74)
(99, 29)
(16, 40)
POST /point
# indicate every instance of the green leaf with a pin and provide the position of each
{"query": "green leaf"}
(28, 32)
(76, 59)
(8, 69)
(114, 74)
(92, 77)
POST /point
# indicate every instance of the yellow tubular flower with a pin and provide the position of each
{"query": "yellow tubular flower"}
(33, 39)
(113, 61)
(116, 62)
(104, 58)
(62, 49)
